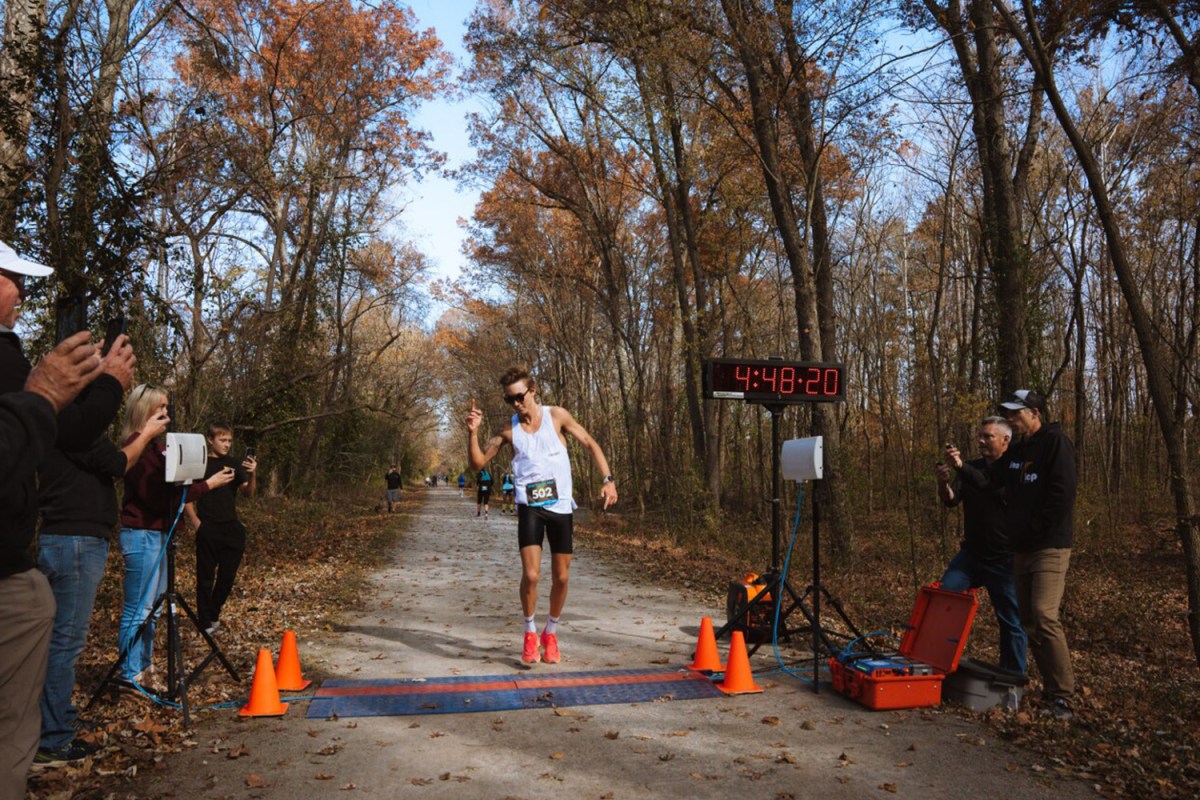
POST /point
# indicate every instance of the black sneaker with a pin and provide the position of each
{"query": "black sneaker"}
(77, 750)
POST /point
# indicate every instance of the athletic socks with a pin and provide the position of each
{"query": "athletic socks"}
(551, 626)
(531, 624)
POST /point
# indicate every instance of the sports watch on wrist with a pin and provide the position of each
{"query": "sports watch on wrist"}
(608, 479)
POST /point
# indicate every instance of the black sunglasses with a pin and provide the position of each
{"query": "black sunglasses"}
(18, 279)
(513, 399)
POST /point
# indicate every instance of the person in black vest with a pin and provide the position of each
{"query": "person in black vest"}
(67, 400)
(1040, 485)
(220, 535)
(394, 481)
(985, 558)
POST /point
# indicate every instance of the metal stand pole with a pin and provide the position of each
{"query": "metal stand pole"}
(816, 568)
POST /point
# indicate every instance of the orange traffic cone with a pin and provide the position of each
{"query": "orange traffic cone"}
(264, 694)
(287, 669)
(738, 678)
(707, 657)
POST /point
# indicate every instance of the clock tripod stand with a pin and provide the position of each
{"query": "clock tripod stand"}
(775, 384)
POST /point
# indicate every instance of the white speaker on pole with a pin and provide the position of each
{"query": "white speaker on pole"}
(186, 456)
(803, 459)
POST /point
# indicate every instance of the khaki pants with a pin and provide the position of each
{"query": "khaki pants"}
(1041, 578)
(26, 619)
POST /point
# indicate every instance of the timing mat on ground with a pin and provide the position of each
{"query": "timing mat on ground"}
(404, 696)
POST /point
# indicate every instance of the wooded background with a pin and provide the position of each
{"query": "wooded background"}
(954, 200)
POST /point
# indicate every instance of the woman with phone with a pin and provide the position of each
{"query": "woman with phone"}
(148, 513)
(220, 535)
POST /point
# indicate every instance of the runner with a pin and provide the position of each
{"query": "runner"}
(483, 492)
(543, 489)
(506, 486)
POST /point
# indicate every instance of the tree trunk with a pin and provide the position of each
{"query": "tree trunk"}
(24, 23)
(754, 61)
(979, 60)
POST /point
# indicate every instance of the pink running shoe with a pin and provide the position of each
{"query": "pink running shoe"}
(530, 653)
(550, 646)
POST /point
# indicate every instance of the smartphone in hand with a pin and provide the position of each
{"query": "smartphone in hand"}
(116, 326)
(250, 452)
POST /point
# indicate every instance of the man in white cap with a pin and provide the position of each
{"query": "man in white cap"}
(1040, 485)
(36, 410)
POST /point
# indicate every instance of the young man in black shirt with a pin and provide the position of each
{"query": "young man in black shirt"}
(220, 535)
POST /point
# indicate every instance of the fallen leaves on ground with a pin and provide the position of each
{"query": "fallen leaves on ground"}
(1125, 613)
(305, 559)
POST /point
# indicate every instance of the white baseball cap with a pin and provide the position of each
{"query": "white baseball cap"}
(11, 262)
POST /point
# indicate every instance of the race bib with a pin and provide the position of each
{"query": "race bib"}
(542, 493)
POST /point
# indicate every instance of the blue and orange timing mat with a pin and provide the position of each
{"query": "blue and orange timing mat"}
(404, 696)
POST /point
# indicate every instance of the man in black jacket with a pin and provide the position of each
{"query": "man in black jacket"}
(1040, 487)
(985, 558)
(32, 414)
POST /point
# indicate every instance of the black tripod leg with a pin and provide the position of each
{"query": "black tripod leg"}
(124, 653)
(841, 612)
(176, 679)
(213, 648)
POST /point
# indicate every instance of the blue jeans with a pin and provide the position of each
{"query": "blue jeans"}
(967, 572)
(74, 566)
(145, 580)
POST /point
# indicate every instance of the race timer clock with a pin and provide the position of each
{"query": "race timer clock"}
(774, 381)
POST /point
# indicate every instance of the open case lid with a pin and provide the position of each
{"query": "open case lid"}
(937, 631)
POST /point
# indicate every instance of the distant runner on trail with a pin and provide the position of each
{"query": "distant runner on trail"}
(510, 490)
(543, 485)
(483, 492)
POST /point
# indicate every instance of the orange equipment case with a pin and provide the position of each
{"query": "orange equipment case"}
(929, 651)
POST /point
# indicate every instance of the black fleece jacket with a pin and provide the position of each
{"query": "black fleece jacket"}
(77, 426)
(27, 431)
(76, 491)
(978, 485)
(1040, 485)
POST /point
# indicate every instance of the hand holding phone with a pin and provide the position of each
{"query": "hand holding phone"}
(116, 326)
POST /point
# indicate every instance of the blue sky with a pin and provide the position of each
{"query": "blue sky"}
(435, 205)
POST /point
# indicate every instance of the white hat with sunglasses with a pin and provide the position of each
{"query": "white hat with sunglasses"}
(11, 262)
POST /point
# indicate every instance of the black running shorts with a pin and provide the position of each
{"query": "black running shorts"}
(534, 524)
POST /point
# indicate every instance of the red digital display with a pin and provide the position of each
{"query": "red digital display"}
(774, 381)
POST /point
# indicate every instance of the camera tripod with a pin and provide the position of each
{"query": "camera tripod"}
(178, 678)
(775, 584)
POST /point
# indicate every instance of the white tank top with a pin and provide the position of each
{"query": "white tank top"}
(541, 456)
